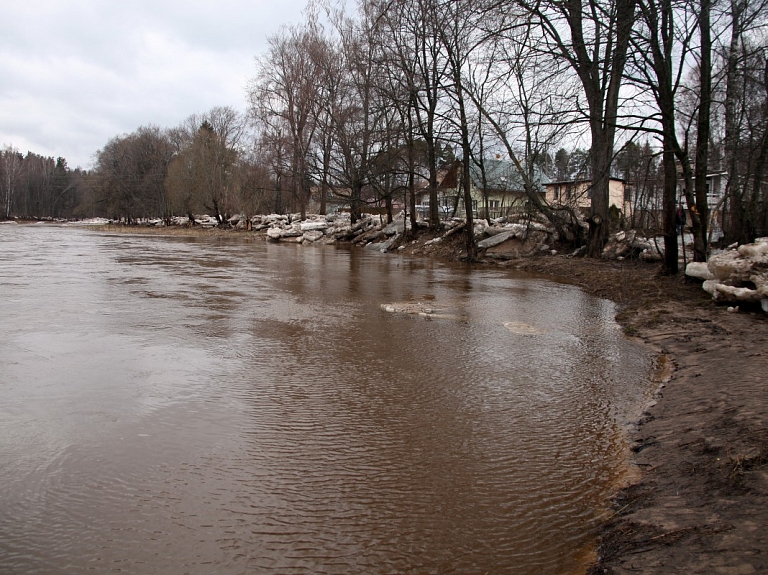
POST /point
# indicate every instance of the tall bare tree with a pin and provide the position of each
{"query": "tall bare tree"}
(358, 113)
(593, 37)
(526, 98)
(460, 36)
(745, 111)
(411, 39)
(284, 92)
(698, 203)
(662, 45)
(11, 162)
(131, 171)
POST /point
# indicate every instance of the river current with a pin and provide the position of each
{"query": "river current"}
(208, 405)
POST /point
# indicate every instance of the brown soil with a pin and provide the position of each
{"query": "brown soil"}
(701, 503)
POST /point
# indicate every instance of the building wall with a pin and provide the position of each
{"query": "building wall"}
(499, 203)
(578, 194)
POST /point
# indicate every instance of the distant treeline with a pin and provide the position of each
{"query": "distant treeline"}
(35, 186)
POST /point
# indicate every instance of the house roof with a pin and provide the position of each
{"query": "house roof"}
(502, 175)
(447, 178)
(581, 181)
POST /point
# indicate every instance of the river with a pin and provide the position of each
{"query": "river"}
(212, 405)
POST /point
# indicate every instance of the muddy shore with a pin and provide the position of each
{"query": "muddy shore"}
(701, 502)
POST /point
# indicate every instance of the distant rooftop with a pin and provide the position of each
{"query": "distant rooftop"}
(502, 174)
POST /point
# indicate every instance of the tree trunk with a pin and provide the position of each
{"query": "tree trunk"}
(216, 212)
(466, 177)
(759, 220)
(669, 203)
(599, 225)
(278, 194)
(354, 202)
(434, 209)
(411, 177)
(702, 137)
(323, 198)
(601, 77)
(734, 189)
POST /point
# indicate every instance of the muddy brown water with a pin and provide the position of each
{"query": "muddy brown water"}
(212, 405)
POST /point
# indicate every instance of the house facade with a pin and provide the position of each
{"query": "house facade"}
(716, 185)
(578, 194)
(496, 189)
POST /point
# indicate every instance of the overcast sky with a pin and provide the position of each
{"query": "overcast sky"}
(75, 73)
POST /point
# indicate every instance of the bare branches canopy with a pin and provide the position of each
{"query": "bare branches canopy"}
(420, 105)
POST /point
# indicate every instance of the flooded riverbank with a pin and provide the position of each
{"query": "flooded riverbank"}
(173, 405)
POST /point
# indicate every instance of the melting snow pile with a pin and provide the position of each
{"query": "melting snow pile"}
(417, 308)
(737, 275)
(630, 244)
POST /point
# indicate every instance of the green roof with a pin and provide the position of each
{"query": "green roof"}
(502, 175)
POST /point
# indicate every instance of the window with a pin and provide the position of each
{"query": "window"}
(713, 190)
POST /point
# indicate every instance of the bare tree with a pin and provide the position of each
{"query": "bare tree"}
(593, 38)
(11, 162)
(745, 111)
(131, 171)
(525, 97)
(413, 45)
(703, 123)
(203, 171)
(662, 45)
(284, 92)
(460, 36)
(329, 62)
(358, 113)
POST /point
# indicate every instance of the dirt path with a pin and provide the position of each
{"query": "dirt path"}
(701, 505)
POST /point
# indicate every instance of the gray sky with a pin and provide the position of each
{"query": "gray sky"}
(74, 74)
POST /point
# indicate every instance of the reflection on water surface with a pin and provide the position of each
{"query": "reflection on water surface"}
(209, 405)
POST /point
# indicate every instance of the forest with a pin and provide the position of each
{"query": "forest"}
(371, 109)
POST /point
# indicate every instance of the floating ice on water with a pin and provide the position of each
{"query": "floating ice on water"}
(521, 328)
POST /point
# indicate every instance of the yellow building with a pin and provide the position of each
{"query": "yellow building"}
(578, 194)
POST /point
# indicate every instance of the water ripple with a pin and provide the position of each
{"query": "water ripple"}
(190, 405)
